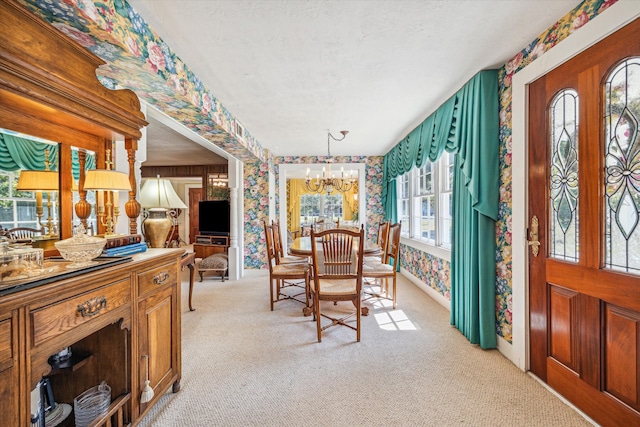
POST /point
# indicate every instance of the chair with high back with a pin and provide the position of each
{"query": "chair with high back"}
(381, 240)
(285, 276)
(337, 275)
(281, 257)
(383, 270)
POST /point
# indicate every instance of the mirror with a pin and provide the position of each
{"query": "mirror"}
(29, 187)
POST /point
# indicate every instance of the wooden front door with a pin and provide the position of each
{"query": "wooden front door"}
(195, 195)
(584, 194)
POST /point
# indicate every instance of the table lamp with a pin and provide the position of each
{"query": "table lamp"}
(107, 183)
(157, 197)
(40, 181)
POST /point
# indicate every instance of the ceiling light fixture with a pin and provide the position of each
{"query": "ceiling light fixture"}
(329, 183)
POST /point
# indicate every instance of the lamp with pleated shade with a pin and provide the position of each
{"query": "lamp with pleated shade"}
(110, 182)
(39, 182)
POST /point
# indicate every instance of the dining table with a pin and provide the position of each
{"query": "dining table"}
(301, 246)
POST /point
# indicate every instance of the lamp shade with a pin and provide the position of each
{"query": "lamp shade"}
(38, 181)
(159, 193)
(103, 179)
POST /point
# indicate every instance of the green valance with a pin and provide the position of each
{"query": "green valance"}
(434, 135)
(17, 153)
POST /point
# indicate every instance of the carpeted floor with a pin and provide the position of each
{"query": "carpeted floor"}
(244, 365)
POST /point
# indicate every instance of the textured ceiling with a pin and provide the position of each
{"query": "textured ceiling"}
(290, 70)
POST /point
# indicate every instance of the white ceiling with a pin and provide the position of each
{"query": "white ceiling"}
(166, 146)
(291, 70)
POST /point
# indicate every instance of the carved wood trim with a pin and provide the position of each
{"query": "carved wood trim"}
(49, 89)
(69, 86)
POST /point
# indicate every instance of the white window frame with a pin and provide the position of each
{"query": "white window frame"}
(410, 232)
(323, 205)
(13, 199)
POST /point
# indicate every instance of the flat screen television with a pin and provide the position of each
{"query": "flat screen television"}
(213, 217)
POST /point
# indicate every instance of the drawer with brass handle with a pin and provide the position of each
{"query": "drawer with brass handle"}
(62, 316)
(151, 280)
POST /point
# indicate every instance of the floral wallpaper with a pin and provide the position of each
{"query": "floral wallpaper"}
(433, 271)
(137, 58)
(256, 210)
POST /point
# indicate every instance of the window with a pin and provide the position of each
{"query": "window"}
(314, 206)
(425, 202)
(17, 208)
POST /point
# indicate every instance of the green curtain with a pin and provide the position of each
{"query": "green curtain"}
(475, 211)
(467, 125)
(17, 153)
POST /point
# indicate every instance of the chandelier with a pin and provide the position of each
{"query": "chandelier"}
(329, 183)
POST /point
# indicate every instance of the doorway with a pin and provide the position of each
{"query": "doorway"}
(584, 204)
(288, 171)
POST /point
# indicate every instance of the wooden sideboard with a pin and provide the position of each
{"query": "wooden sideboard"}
(112, 318)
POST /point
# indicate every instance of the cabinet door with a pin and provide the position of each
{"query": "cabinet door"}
(8, 372)
(158, 340)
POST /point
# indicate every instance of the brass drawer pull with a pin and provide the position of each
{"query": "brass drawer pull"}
(160, 278)
(92, 307)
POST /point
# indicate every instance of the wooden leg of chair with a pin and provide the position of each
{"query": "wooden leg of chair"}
(306, 289)
(271, 293)
(358, 303)
(316, 305)
(307, 310)
(394, 292)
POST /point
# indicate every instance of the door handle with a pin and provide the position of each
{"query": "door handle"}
(533, 241)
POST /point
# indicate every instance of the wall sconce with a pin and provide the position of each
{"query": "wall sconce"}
(158, 198)
(107, 183)
(40, 181)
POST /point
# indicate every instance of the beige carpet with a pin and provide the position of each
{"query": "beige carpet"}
(244, 365)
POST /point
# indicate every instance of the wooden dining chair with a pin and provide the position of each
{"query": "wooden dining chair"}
(285, 276)
(380, 271)
(337, 275)
(381, 241)
(23, 233)
(283, 258)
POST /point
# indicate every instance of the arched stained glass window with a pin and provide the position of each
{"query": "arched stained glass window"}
(622, 167)
(563, 242)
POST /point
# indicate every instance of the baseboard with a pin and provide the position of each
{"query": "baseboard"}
(435, 295)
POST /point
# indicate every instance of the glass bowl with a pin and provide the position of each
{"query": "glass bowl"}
(81, 249)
